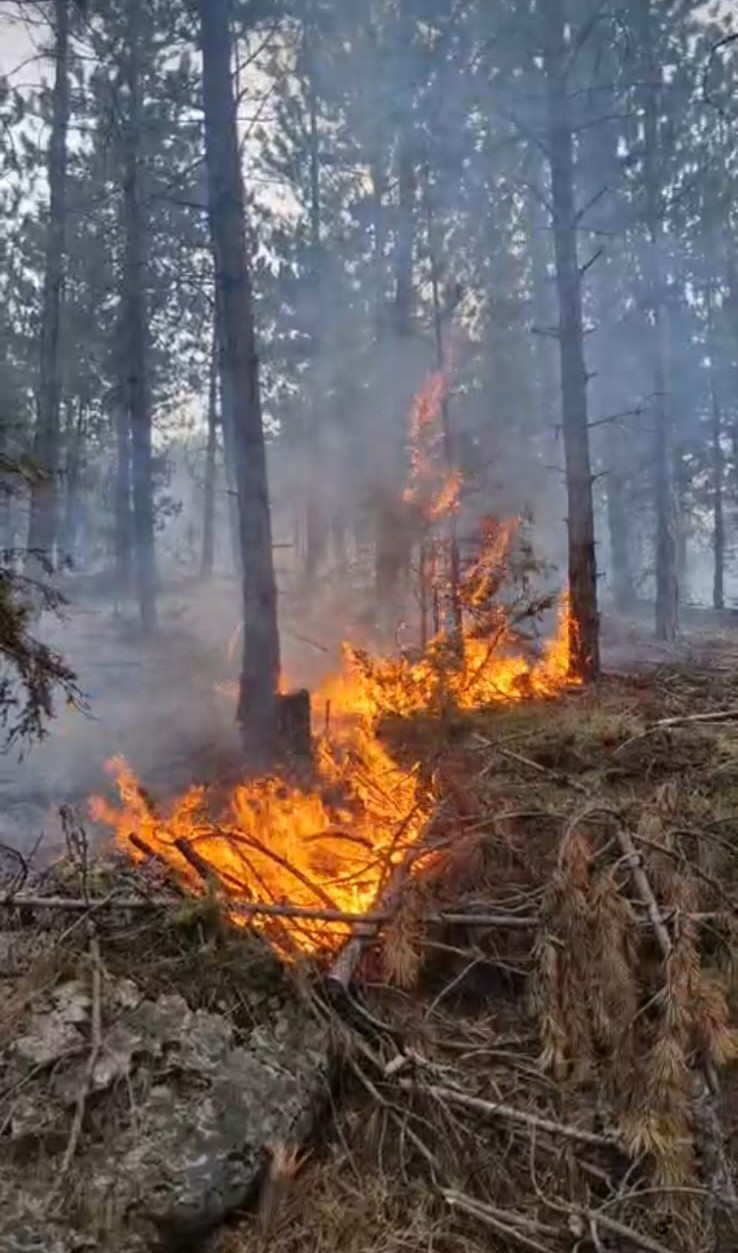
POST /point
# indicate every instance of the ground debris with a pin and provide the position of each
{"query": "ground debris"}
(527, 1058)
(133, 1117)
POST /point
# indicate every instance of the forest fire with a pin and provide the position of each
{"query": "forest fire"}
(332, 847)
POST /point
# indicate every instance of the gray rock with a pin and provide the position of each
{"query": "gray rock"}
(180, 1113)
(198, 1147)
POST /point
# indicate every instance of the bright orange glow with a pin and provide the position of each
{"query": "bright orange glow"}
(334, 844)
(330, 847)
(433, 488)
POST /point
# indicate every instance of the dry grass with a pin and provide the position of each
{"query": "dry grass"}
(577, 1026)
(544, 1077)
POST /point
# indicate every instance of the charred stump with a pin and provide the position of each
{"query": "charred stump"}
(293, 725)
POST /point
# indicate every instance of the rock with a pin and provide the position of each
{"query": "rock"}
(180, 1110)
(198, 1147)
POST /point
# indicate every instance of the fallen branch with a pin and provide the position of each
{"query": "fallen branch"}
(713, 1148)
(505, 1222)
(595, 1219)
(718, 715)
(87, 1078)
(247, 909)
(496, 1109)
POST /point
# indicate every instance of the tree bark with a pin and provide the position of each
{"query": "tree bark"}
(75, 439)
(208, 514)
(122, 490)
(618, 525)
(228, 428)
(584, 632)
(44, 495)
(667, 573)
(136, 320)
(716, 433)
(257, 705)
(406, 192)
(316, 514)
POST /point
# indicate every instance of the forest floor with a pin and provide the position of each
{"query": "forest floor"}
(538, 1073)
(540, 1085)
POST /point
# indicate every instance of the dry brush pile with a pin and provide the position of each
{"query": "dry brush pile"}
(539, 1055)
(537, 1050)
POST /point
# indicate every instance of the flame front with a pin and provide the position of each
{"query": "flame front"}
(333, 847)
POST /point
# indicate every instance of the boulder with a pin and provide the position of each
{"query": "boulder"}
(180, 1110)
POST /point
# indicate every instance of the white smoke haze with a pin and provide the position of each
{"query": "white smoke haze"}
(338, 435)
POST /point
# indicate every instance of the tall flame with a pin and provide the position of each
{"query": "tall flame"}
(332, 847)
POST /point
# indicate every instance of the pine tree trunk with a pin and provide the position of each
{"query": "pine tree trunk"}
(44, 494)
(208, 514)
(75, 437)
(316, 521)
(258, 705)
(229, 455)
(584, 636)
(406, 192)
(667, 572)
(137, 346)
(618, 525)
(717, 455)
(122, 490)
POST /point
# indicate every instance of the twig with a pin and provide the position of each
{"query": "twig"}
(496, 1109)
(721, 1181)
(247, 909)
(87, 1078)
(462, 1200)
(718, 715)
(502, 1221)
(595, 1218)
(206, 872)
(642, 886)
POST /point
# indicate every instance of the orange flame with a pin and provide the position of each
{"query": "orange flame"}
(333, 847)
(433, 488)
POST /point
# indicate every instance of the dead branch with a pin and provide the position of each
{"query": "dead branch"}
(706, 1114)
(595, 1218)
(505, 1222)
(87, 1078)
(247, 909)
(496, 1109)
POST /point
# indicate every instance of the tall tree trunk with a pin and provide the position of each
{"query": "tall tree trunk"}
(452, 607)
(44, 494)
(406, 192)
(122, 495)
(75, 438)
(667, 574)
(716, 432)
(316, 517)
(228, 428)
(258, 704)
(584, 635)
(137, 333)
(208, 512)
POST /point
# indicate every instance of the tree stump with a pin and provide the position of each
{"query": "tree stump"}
(293, 725)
